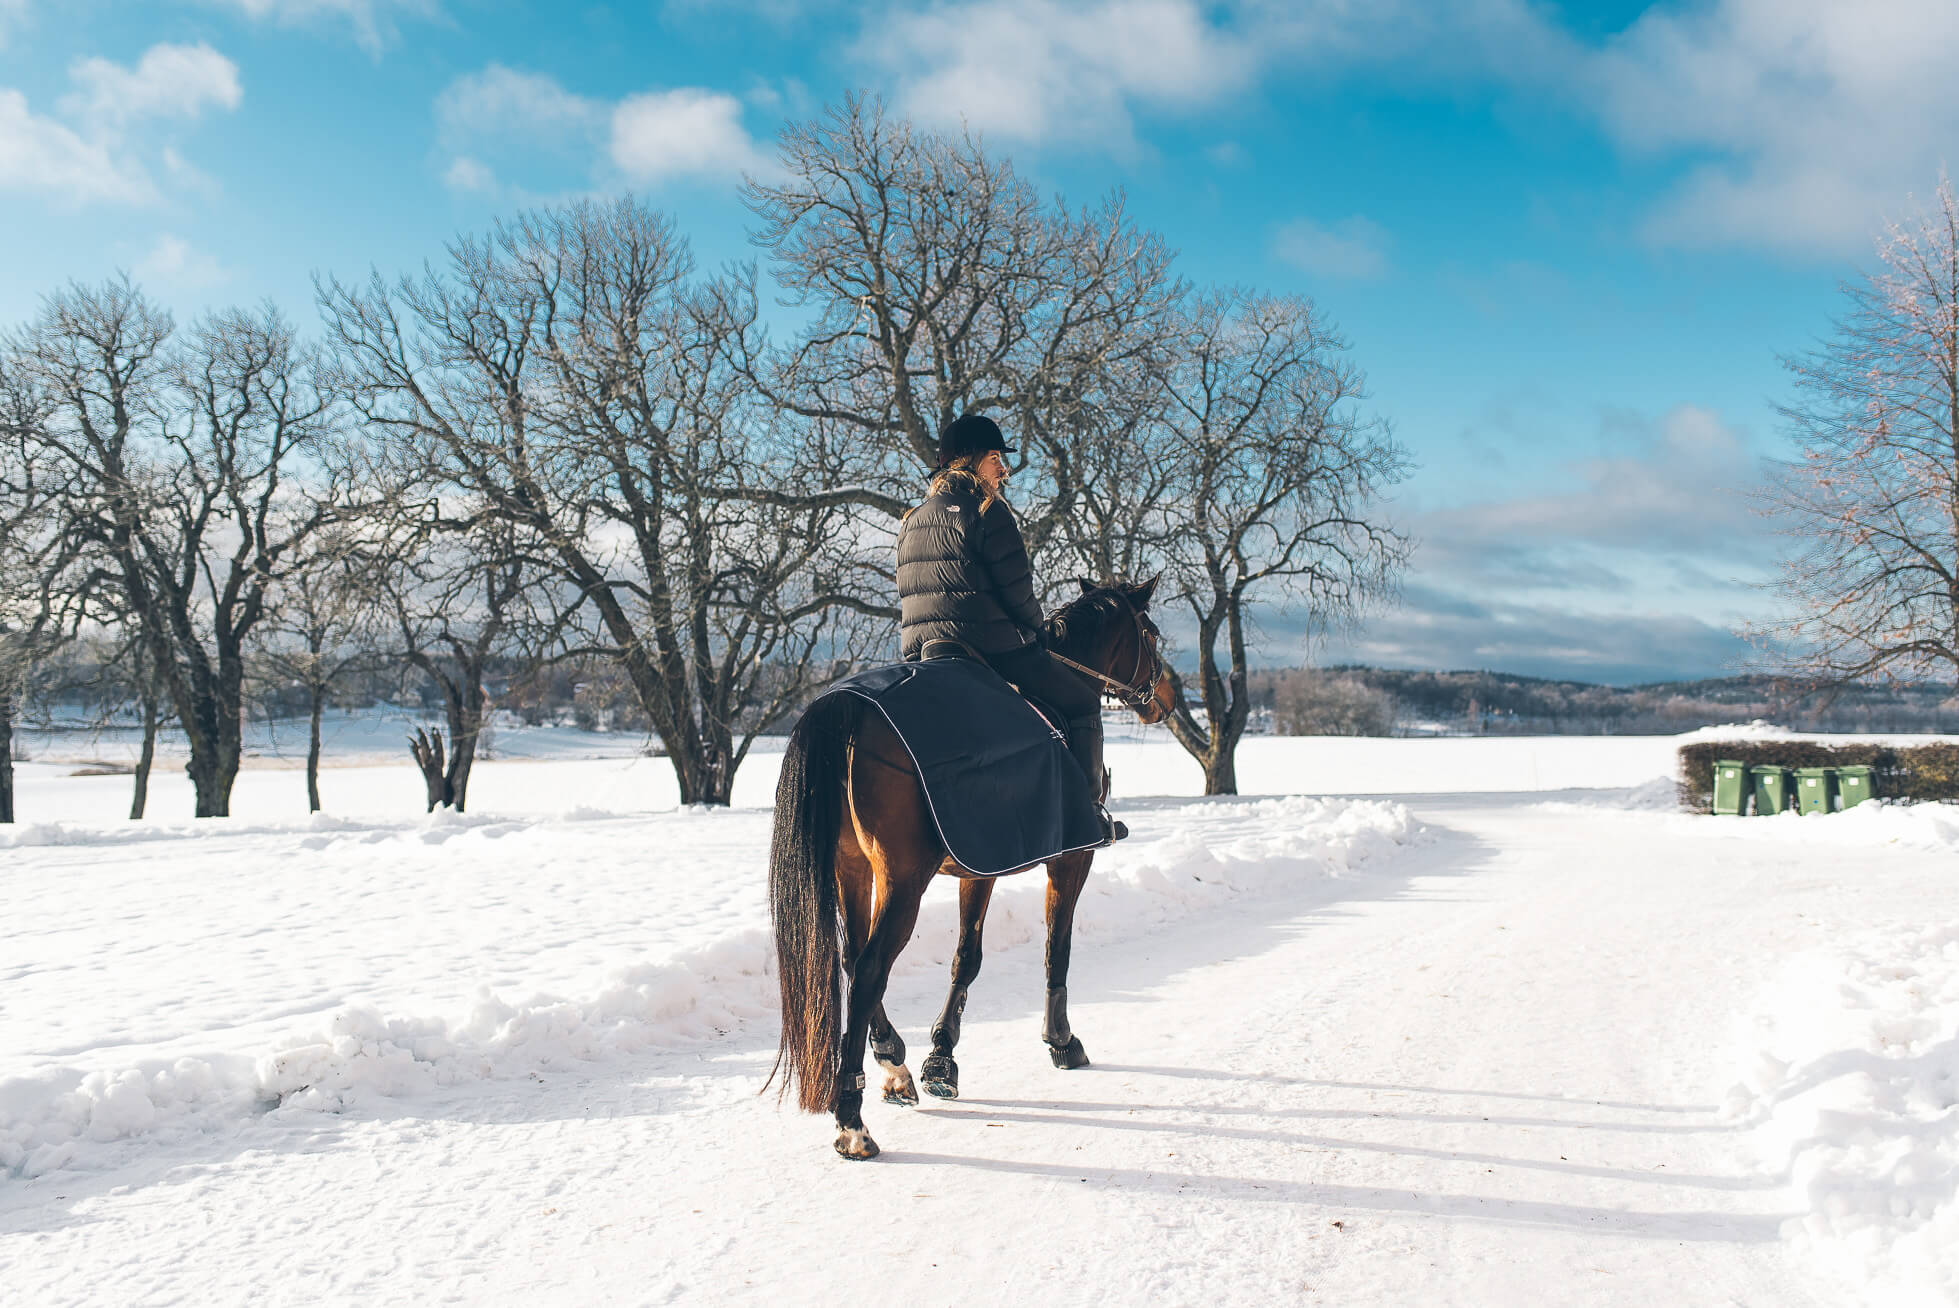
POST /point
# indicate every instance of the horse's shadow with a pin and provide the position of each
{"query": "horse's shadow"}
(1670, 1224)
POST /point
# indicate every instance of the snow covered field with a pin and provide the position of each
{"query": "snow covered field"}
(1438, 1021)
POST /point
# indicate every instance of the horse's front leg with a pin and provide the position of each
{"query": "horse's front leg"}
(939, 1072)
(869, 971)
(1066, 877)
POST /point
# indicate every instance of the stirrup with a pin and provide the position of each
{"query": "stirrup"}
(1113, 829)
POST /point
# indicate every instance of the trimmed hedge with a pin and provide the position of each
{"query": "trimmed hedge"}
(1919, 772)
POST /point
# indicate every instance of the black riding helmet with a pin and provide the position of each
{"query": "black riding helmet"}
(972, 433)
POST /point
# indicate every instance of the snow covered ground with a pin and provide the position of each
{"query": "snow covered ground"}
(1439, 1021)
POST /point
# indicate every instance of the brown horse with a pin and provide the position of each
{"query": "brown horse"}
(855, 846)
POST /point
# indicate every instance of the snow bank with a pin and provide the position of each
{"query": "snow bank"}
(75, 1115)
(48, 1121)
(1660, 795)
(374, 734)
(1758, 729)
(1874, 823)
(1851, 1083)
(42, 835)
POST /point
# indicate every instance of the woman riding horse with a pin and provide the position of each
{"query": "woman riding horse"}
(855, 840)
(964, 585)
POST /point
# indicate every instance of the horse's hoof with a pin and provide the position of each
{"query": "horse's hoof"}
(1069, 1056)
(856, 1145)
(899, 1090)
(940, 1076)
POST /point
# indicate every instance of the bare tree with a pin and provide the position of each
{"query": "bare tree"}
(1216, 438)
(1253, 479)
(569, 375)
(183, 467)
(455, 592)
(940, 283)
(150, 696)
(1871, 504)
(40, 602)
(122, 677)
(1310, 702)
(322, 630)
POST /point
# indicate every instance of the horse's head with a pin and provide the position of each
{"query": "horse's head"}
(1108, 629)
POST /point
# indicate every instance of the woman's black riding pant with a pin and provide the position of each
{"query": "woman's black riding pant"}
(1068, 693)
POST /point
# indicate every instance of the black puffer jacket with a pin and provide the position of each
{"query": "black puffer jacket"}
(963, 572)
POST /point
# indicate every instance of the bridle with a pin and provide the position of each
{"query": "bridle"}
(1137, 695)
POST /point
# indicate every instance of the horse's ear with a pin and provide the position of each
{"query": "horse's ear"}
(1140, 593)
(1085, 583)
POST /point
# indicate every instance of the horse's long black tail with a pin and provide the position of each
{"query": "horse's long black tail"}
(803, 900)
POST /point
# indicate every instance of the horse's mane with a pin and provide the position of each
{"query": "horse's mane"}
(1073, 627)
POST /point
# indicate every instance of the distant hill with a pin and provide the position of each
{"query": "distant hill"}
(1356, 700)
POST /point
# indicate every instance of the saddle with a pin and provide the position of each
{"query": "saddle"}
(998, 779)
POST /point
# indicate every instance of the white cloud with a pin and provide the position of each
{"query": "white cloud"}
(41, 155)
(488, 121)
(13, 14)
(1800, 122)
(1354, 247)
(372, 21)
(168, 81)
(1079, 70)
(99, 154)
(1667, 508)
(501, 103)
(688, 131)
(1037, 70)
(467, 174)
(172, 262)
(1627, 561)
(1821, 116)
(777, 13)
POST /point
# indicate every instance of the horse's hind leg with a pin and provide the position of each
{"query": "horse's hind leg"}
(889, 932)
(888, 1047)
(940, 1072)
(1066, 877)
(891, 832)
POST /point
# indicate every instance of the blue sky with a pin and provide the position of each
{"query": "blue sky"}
(1567, 242)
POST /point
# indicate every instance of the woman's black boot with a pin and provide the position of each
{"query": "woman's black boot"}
(1085, 743)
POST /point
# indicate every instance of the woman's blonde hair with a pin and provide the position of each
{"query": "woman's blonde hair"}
(967, 466)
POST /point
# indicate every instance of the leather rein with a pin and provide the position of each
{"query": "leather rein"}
(1137, 695)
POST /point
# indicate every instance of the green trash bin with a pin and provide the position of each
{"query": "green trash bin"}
(1730, 786)
(1854, 785)
(1770, 786)
(1816, 790)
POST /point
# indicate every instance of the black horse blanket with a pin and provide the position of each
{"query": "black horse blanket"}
(999, 780)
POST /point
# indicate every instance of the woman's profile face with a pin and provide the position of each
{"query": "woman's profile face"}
(993, 471)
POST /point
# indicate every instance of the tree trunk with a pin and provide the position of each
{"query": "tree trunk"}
(6, 754)
(140, 797)
(427, 748)
(461, 759)
(212, 769)
(204, 786)
(465, 713)
(215, 731)
(701, 775)
(1221, 771)
(709, 777)
(313, 752)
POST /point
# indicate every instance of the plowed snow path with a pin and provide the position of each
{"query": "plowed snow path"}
(1488, 1074)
